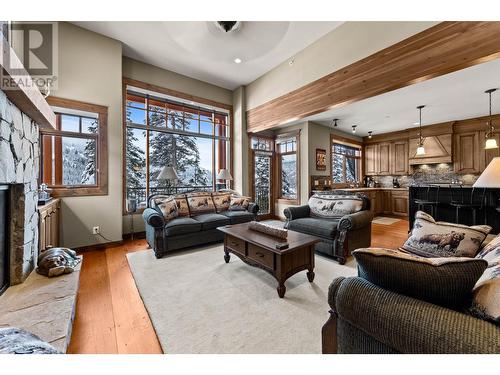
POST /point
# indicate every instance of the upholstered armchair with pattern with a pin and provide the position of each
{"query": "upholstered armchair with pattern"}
(342, 221)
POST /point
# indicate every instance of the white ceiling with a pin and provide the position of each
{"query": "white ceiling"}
(198, 50)
(454, 96)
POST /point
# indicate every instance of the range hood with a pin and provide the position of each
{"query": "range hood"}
(438, 150)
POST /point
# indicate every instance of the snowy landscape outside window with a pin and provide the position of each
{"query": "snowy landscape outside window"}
(345, 163)
(70, 162)
(160, 132)
(286, 150)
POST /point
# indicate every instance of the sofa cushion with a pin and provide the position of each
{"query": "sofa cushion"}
(211, 221)
(239, 203)
(221, 201)
(238, 217)
(486, 302)
(447, 281)
(200, 203)
(182, 225)
(182, 205)
(319, 227)
(167, 206)
(430, 238)
(334, 206)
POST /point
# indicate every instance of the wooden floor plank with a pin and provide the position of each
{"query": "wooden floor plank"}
(134, 331)
(110, 315)
(94, 327)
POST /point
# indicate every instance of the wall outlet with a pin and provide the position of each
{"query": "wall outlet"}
(96, 230)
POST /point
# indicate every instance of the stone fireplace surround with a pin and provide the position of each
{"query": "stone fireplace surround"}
(19, 163)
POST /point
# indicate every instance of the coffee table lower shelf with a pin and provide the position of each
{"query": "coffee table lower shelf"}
(280, 264)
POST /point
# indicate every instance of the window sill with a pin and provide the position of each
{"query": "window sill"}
(60, 192)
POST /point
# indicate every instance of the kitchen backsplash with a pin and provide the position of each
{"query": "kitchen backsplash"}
(424, 174)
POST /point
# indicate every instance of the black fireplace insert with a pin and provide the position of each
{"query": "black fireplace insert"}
(4, 223)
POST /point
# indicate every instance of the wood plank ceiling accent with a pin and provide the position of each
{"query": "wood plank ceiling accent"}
(439, 50)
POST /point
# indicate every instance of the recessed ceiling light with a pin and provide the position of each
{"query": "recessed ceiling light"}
(237, 60)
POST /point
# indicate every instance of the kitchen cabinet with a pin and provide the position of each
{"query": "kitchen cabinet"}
(371, 159)
(467, 152)
(399, 158)
(384, 159)
(399, 203)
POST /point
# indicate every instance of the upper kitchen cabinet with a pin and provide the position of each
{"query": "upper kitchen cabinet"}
(467, 152)
(438, 149)
(399, 157)
(384, 159)
(371, 159)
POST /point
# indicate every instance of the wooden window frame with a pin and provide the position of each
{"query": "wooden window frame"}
(227, 162)
(101, 185)
(337, 139)
(251, 171)
(278, 184)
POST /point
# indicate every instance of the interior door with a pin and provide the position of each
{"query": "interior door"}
(262, 182)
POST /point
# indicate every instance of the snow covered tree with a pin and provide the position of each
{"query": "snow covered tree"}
(89, 154)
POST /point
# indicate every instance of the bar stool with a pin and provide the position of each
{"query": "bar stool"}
(459, 202)
(430, 199)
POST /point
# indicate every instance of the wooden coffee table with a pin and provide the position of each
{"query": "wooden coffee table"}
(259, 250)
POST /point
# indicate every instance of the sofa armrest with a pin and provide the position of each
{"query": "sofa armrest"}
(253, 208)
(296, 212)
(356, 220)
(409, 325)
(153, 218)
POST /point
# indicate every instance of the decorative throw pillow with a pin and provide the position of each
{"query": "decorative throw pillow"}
(334, 206)
(182, 205)
(430, 238)
(221, 201)
(486, 302)
(167, 206)
(446, 281)
(200, 203)
(239, 203)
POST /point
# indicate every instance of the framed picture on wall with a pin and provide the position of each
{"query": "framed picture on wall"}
(320, 159)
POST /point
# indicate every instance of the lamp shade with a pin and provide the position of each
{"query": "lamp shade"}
(168, 173)
(224, 175)
(490, 178)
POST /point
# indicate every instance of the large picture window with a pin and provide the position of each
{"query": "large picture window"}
(73, 158)
(287, 164)
(346, 163)
(160, 132)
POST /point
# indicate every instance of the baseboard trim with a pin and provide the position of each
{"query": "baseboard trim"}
(98, 246)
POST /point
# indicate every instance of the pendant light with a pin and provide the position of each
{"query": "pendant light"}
(354, 129)
(420, 145)
(370, 134)
(491, 142)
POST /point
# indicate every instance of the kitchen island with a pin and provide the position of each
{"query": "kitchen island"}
(488, 215)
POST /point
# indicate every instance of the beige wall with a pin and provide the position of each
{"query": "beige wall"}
(240, 143)
(350, 42)
(90, 71)
(164, 78)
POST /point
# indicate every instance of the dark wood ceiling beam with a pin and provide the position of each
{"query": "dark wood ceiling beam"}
(439, 50)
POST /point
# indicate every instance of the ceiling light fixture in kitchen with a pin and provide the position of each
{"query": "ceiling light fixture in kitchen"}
(420, 145)
(354, 128)
(491, 142)
(334, 122)
(370, 134)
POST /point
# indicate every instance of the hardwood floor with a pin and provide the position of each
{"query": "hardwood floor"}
(110, 316)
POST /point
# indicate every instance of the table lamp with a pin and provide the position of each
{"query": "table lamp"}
(224, 175)
(490, 178)
(169, 174)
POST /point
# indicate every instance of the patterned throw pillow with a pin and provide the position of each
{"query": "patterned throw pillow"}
(430, 238)
(200, 203)
(334, 206)
(445, 282)
(486, 302)
(182, 205)
(221, 201)
(167, 206)
(239, 203)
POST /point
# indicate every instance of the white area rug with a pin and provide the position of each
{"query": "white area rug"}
(199, 304)
(385, 220)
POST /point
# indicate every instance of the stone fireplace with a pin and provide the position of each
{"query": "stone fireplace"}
(19, 163)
